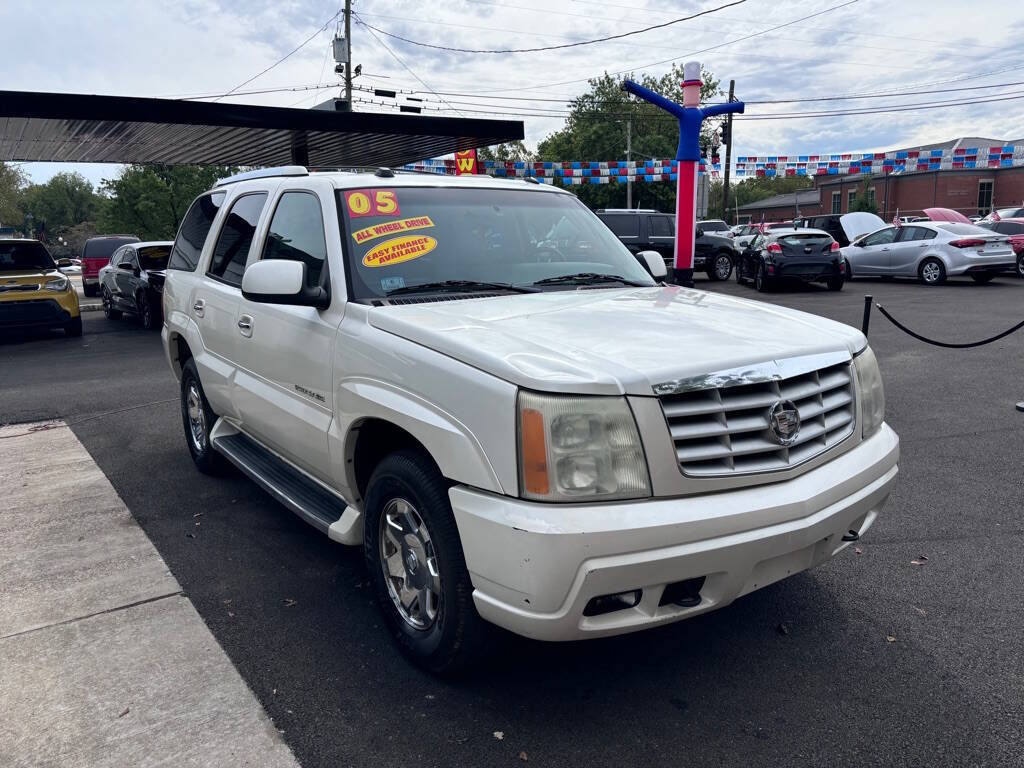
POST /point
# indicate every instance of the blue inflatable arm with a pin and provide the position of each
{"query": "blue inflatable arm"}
(690, 118)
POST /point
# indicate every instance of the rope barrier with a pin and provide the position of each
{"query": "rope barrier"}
(947, 344)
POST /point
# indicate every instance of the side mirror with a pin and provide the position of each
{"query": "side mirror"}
(653, 263)
(126, 266)
(61, 263)
(700, 233)
(282, 281)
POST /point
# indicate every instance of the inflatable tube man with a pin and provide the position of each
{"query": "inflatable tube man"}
(690, 116)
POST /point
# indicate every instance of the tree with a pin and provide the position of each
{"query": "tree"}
(150, 200)
(596, 130)
(862, 199)
(752, 189)
(12, 181)
(515, 151)
(65, 200)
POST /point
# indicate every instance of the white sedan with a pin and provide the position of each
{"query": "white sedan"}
(931, 251)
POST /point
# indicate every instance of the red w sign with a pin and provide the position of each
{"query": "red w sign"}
(465, 162)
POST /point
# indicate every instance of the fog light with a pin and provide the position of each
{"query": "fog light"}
(611, 603)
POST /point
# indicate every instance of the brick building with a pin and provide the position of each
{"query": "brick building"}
(969, 190)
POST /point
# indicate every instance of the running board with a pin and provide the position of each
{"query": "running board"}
(325, 511)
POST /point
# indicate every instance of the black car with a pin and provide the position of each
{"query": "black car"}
(133, 281)
(806, 255)
(647, 230)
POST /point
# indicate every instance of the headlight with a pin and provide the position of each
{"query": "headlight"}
(575, 448)
(57, 284)
(869, 392)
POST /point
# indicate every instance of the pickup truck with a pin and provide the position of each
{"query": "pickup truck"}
(476, 382)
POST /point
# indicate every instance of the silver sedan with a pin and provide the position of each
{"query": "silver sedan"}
(931, 252)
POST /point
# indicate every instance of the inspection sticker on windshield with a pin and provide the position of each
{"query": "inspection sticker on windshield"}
(398, 250)
(391, 227)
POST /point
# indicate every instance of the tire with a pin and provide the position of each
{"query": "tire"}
(73, 328)
(196, 412)
(1020, 266)
(983, 277)
(761, 280)
(849, 270)
(439, 629)
(149, 317)
(108, 306)
(835, 283)
(932, 271)
(90, 290)
(738, 273)
(721, 267)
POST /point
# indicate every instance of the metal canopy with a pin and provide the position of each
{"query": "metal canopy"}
(78, 128)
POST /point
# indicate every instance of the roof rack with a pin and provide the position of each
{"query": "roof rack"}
(262, 173)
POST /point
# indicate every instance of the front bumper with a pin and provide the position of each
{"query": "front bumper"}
(535, 567)
(38, 313)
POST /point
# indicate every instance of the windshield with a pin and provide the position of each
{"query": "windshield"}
(402, 237)
(24, 255)
(154, 256)
(102, 247)
(961, 229)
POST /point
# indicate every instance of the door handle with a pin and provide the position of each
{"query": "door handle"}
(245, 325)
(885, 249)
(199, 307)
(923, 245)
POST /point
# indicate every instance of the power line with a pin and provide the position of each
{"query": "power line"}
(287, 55)
(686, 55)
(396, 57)
(564, 45)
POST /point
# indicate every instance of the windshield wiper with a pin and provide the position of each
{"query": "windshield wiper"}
(588, 278)
(441, 286)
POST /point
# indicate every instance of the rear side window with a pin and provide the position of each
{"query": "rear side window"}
(660, 226)
(188, 245)
(297, 233)
(235, 239)
(623, 226)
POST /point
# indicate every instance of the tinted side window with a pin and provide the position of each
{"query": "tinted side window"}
(660, 226)
(193, 231)
(297, 233)
(116, 258)
(624, 226)
(232, 248)
(1012, 228)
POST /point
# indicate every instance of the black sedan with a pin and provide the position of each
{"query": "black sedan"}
(788, 255)
(133, 282)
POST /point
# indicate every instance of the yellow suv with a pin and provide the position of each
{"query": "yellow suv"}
(34, 293)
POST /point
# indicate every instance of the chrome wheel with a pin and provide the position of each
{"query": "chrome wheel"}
(196, 416)
(723, 266)
(409, 563)
(931, 272)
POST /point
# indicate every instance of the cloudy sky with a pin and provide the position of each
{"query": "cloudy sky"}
(190, 48)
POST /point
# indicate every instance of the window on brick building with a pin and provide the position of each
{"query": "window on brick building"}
(837, 202)
(985, 197)
(851, 197)
(871, 195)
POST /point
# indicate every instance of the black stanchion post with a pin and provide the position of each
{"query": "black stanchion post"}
(867, 315)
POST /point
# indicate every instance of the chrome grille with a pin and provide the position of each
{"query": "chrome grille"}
(725, 430)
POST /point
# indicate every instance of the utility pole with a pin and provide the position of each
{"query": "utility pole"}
(728, 154)
(629, 150)
(348, 55)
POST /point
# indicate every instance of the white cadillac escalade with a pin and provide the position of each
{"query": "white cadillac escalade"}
(475, 381)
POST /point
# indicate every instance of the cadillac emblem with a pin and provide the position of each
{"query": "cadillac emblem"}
(784, 422)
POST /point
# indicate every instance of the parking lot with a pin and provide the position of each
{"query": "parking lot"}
(908, 649)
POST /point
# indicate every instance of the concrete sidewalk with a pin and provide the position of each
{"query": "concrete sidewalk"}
(103, 661)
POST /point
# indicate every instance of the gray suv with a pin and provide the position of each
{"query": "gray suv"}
(642, 229)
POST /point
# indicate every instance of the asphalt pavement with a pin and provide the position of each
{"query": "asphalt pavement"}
(908, 653)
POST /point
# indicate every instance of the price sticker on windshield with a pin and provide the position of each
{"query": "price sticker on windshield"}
(372, 202)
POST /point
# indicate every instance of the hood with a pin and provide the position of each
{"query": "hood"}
(859, 223)
(946, 214)
(30, 276)
(613, 341)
